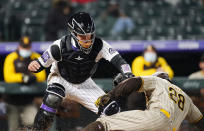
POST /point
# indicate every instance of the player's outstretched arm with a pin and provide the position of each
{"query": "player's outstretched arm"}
(125, 88)
(46, 59)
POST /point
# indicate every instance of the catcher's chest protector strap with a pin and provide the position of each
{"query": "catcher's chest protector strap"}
(66, 44)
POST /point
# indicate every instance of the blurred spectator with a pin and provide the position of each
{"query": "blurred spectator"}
(198, 100)
(21, 110)
(3, 122)
(199, 74)
(56, 21)
(117, 20)
(149, 63)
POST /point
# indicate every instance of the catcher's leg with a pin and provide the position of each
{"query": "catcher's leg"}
(94, 126)
(52, 99)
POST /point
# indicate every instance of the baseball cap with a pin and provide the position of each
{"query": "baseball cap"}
(25, 42)
(150, 47)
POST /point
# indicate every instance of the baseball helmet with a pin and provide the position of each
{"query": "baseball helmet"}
(162, 75)
(81, 24)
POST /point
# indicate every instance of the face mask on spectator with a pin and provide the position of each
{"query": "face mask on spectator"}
(24, 53)
(150, 57)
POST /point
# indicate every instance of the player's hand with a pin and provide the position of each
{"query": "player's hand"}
(33, 66)
(106, 106)
(102, 100)
(110, 109)
(121, 77)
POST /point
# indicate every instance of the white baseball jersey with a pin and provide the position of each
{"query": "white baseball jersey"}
(85, 93)
(167, 107)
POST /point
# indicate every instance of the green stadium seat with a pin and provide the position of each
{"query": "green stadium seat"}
(163, 33)
(171, 22)
(188, 3)
(18, 6)
(191, 32)
(181, 12)
(198, 21)
(36, 33)
(161, 4)
(138, 33)
(152, 13)
(142, 22)
(104, 26)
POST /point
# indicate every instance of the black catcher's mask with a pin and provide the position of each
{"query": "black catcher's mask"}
(82, 29)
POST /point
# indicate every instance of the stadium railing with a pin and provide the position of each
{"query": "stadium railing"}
(189, 85)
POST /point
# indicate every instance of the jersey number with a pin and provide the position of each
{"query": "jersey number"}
(177, 98)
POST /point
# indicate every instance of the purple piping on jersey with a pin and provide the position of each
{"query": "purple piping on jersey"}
(74, 48)
(43, 106)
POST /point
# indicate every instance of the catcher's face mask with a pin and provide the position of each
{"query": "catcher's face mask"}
(82, 29)
(85, 41)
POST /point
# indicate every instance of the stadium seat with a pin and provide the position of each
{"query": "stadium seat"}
(188, 3)
(171, 21)
(152, 12)
(142, 22)
(161, 4)
(181, 12)
(191, 32)
(138, 34)
(18, 6)
(198, 21)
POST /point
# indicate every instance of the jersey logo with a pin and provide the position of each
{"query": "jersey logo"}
(79, 58)
(45, 56)
(111, 50)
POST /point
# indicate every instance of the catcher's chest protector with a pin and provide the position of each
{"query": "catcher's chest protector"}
(76, 66)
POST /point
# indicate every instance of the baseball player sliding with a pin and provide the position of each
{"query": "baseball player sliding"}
(74, 60)
(167, 106)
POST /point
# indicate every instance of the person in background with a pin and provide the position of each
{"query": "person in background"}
(20, 109)
(123, 24)
(116, 21)
(3, 122)
(149, 63)
(56, 21)
(199, 74)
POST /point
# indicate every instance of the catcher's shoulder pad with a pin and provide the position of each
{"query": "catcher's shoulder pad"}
(55, 51)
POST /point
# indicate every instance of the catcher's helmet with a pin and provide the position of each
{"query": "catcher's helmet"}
(81, 24)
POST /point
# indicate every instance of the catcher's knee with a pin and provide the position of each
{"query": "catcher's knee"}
(94, 126)
(53, 97)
